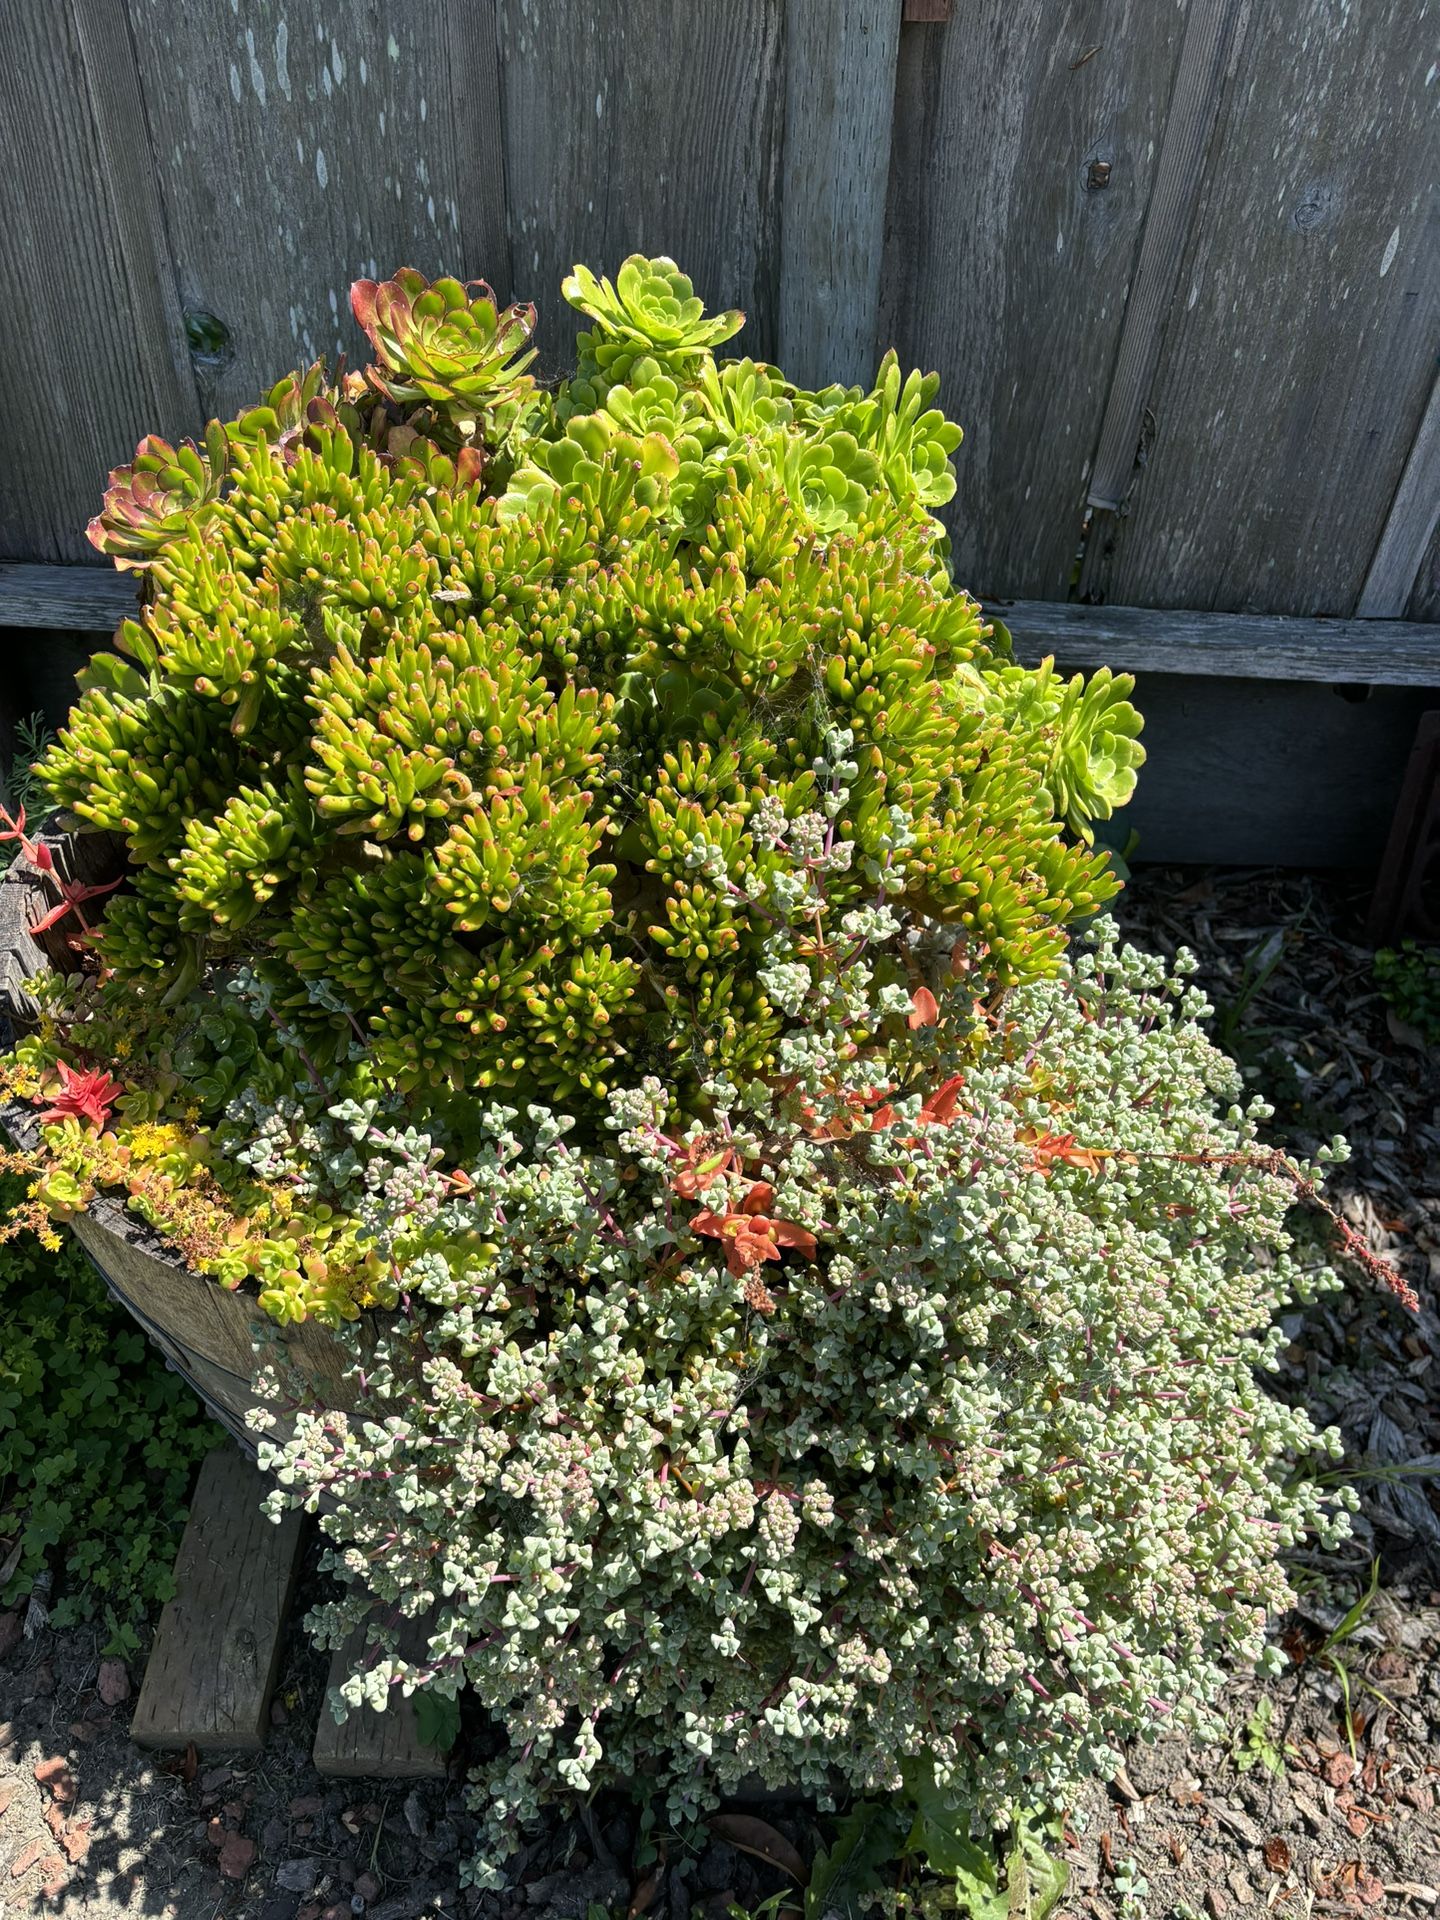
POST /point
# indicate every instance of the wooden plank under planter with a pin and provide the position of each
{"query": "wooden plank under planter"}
(217, 1649)
(381, 1746)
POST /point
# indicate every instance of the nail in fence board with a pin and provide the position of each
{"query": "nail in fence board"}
(1023, 155)
(380, 1746)
(217, 1649)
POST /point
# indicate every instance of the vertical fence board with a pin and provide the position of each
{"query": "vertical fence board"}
(475, 102)
(1199, 78)
(299, 145)
(839, 104)
(1007, 261)
(94, 355)
(1300, 348)
(652, 128)
(1409, 526)
(1425, 596)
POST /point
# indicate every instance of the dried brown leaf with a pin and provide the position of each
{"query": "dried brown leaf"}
(1277, 1854)
(757, 1837)
(643, 1897)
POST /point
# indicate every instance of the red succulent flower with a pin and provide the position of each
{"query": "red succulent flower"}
(749, 1234)
(936, 1110)
(90, 1095)
(1049, 1150)
(35, 851)
(840, 1126)
(74, 893)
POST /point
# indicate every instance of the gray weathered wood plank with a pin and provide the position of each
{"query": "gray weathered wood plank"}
(1007, 262)
(217, 1648)
(1424, 603)
(1209, 36)
(1225, 645)
(94, 356)
(300, 146)
(1300, 348)
(839, 107)
(1410, 525)
(650, 128)
(76, 597)
(378, 1746)
(475, 104)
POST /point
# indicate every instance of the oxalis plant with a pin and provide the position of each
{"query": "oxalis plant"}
(593, 931)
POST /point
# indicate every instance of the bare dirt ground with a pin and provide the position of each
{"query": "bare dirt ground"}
(1320, 1800)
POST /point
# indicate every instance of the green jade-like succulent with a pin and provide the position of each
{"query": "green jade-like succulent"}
(458, 701)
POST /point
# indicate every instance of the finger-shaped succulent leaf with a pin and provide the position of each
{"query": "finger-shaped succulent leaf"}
(478, 708)
(232, 864)
(526, 859)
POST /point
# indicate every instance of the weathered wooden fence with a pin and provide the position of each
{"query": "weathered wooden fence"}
(1176, 261)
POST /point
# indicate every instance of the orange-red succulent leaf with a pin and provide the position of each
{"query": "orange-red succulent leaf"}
(747, 1232)
(90, 1095)
(938, 1109)
(924, 1008)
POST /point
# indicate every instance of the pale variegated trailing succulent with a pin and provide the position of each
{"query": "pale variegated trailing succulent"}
(903, 1414)
(596, 883)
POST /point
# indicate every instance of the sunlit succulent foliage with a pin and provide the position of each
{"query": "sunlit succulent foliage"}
(1094, 753)
(459, 700)
(450, 345)
(152, 500)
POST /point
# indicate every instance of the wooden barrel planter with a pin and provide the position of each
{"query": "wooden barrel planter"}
(203, 1331)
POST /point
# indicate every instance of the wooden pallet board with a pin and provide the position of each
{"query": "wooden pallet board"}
(217, 1648)
(381, 1746)
(82, 599)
